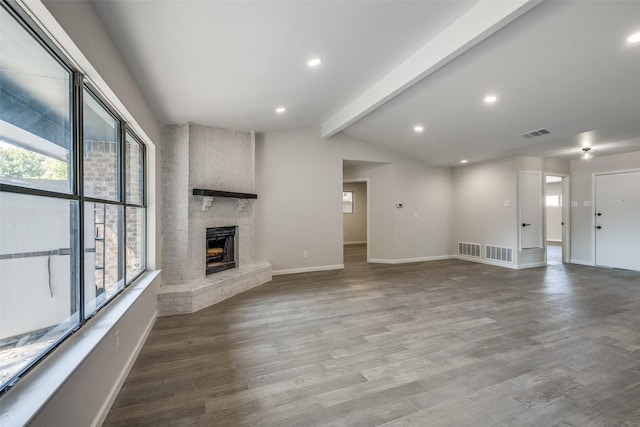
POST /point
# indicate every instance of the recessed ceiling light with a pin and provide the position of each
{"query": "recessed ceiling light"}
(418, 128)
(634, 38)
(280, 110)
(314, 62)
(464, 161)
(489, 99)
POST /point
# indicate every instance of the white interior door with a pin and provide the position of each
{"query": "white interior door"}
(566, 217)
(617, 220)
(530, 210)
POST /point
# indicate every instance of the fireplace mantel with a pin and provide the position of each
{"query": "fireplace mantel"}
(218, 193)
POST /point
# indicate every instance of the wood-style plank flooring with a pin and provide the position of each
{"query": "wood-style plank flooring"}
(443, 343)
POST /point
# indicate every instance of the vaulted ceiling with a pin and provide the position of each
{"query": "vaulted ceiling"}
(389, 66)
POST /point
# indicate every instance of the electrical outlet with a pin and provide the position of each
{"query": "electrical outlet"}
(117, 340)
(305, 254)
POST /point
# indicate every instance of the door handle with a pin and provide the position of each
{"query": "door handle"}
(599, 214)
(525, 224)
(598, 227)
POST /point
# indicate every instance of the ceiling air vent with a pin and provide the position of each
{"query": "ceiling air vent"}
(536, 133)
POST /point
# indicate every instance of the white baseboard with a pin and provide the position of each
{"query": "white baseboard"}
(408, 260)
(500, 264)
(582, 262)
(355, 243)
(510, 265)
(307, 269)
(486, 261)
(106, 406)
(531, 265)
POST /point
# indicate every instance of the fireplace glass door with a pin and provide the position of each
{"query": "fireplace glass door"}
(220, 248)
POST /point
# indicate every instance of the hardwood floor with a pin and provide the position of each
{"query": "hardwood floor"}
(427, 344)
(554, 253)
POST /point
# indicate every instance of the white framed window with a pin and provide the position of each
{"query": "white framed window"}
(71, 195)
(348, 202)
(553, 200)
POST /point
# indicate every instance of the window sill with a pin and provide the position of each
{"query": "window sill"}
(31, 393)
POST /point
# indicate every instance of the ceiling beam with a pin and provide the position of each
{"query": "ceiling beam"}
(484, 19)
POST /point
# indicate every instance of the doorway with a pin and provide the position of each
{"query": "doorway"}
(556, 219)
(355, 218)
(530, 210)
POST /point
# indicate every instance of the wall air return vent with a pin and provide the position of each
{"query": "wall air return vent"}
(469, 249)
(498, 253)
(536, 133)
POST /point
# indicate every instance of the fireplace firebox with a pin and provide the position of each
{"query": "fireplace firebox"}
(220, 249)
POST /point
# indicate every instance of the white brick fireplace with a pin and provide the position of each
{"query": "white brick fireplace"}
(201, 157)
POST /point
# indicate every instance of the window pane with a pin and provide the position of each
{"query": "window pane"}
(553, 200)
(135, 168)
(103, 275)
(35, 112)
(101, 150)
(38, 277)
(347, 202)
(135, 254)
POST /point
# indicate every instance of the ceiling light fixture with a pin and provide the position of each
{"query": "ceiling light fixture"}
(587, 153)
(418, 128)
(634, 38)
(280, 110)
(490, 99)
(464, 161)
(314, 62)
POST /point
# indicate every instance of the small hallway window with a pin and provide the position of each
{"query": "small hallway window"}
(348, 206)
(553, 200)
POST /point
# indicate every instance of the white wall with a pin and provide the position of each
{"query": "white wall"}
(481, 193)
(581, 191)
(554, 213)
(355, 224)
(424, 224)
(299, 184)
(92, 370)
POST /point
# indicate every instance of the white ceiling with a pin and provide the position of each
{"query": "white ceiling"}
(563, 65)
